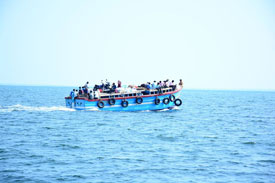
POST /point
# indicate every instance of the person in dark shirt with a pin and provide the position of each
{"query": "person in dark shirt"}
(181, 83)
(80, 91)
(119, 84)
(173, 85)
(113, 89)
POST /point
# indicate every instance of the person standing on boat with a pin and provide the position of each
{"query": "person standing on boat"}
(113, 89)
(160, 84)
(173, 85)
(86, 85)
(96, 94)
(158, 87)
(90, 95)
(165, 84)
(75, 92)
(102, 85)
(119, 84)
(72, 95)
(80, 91)
(181, 83)
(107, 85)
(169, 83)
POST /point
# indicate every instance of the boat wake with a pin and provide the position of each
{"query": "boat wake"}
(19, 107)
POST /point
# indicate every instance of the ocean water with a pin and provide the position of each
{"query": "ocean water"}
(215, 136)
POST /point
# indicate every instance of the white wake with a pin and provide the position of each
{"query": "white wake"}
(19, 107)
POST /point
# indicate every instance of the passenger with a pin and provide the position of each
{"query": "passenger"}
(173, 85)
(119, 84)
(165, 84)
(113, 89)
(96, 94)
(85, 90)
(181, 83)
(72, 94)
(80, 92)
(75, 92)
(158, 87)
(154, 85)
(148, 86)
(161, 84)
(96, 87)
(107, 85)
(86, 85)
(102, 85)
(169, 83)
(90, 95)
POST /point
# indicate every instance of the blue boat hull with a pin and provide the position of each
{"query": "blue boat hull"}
(147, 104)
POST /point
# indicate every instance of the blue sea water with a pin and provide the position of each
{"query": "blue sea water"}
(215, 136)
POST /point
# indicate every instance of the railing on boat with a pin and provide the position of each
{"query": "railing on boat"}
(139, 92)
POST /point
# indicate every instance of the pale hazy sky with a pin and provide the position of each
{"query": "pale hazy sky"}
(209, 44)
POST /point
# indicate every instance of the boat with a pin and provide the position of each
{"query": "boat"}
(140, 99)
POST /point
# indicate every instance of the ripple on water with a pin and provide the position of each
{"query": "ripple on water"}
(166, 138)
(267, 161)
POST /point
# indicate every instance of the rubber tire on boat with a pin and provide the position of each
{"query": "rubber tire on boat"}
(124, 103)
(112, 101)
(178, 104)
(165, 100)
(172, 98)
(100, 104)
(139, 100)
(157, 101)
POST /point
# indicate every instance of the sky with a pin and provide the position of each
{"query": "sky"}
(214, 44)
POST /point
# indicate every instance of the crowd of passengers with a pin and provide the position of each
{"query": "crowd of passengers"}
(105, 87)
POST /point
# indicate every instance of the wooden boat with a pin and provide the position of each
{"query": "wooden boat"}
(139, 100)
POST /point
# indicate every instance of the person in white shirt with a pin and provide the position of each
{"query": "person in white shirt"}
(90, 95)
(171, 83)
(168, 83)
(96, 94)
(75, 93)
(161, 83)
(86, 85)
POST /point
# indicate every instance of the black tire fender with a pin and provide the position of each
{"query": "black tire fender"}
(124, 103)
(139, 100)
(172, 98)
(157, 101)
(112, 101)
(178, 102)
(166, 100)
(100, 104)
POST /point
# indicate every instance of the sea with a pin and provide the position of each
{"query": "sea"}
(215, 136)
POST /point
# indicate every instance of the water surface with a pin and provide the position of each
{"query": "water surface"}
(215, 136)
